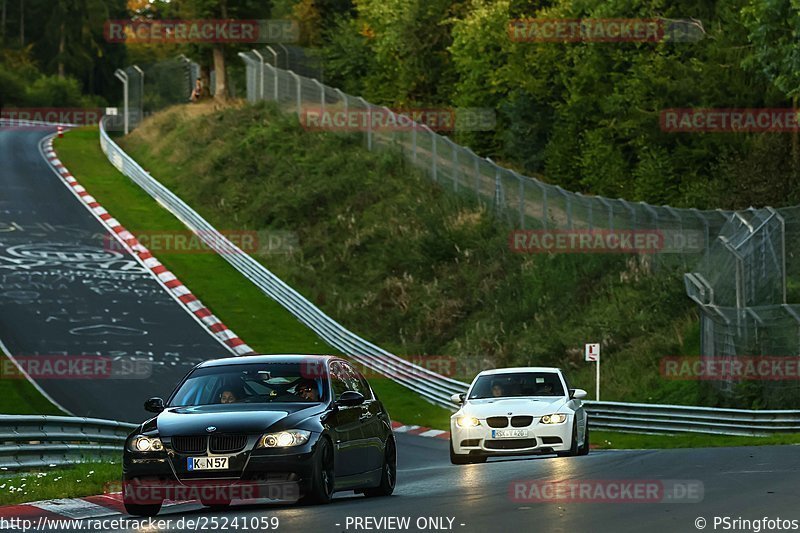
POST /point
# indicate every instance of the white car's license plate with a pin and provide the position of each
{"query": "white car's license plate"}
(207, 463)
(509, 433)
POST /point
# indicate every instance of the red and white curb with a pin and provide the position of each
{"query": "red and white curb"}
(166, 278)
(420, 431)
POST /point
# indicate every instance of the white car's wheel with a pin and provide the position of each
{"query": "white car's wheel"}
(573, 448)
(584, 450)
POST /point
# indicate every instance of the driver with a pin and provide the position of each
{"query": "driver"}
(497, 389)
(227, 396)
(307, 390)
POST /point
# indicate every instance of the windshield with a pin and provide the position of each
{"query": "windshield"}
(255, 383)
(517, 384)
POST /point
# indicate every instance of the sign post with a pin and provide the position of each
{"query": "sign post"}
(592, 355)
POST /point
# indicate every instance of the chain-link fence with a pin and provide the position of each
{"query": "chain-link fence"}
(740, 264)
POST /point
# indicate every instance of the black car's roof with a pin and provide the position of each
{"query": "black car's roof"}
(265, 358)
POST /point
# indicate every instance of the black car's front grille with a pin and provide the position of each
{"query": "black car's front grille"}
(511, 444)
(521, 421)
(497, 421)
(227, 443)
(192, 444)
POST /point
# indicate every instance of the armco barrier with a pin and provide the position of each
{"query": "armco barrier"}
(653, 418)
(34, 441)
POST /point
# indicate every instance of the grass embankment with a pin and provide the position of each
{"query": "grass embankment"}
(85, 479)
(413, 267)
(260, 321)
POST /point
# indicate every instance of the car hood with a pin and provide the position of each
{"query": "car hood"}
(516, 406)
(230, 418)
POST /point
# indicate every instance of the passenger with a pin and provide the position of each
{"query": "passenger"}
(227, 397)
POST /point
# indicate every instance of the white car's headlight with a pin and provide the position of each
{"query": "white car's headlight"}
(143, 443)
(467, 422)
(557, 418)
(284, 439)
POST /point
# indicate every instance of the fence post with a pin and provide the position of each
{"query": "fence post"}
(123, 77)
(456, 173)
(141, 93)
(261, 74)
(434, 156)
(343, 98)
(321, 92)
(299, 94)
(521, 181)
(275, 83)
(369, 122)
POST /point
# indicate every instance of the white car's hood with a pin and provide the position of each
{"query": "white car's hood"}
(516, 406)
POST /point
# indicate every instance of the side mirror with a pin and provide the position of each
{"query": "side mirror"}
(154, 405)
(349, 398)
(577, 394)
(458, 398)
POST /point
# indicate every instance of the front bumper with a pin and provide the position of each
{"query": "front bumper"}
(540, 438)
(276, 474)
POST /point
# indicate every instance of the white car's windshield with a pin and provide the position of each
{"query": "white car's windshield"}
(517, 384)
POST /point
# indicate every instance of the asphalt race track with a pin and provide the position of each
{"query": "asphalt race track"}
(66, 291)
(751, 483)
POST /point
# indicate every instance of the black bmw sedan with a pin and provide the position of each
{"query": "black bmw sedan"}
(284, 427)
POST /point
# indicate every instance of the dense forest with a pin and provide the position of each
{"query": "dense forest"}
(584, 115)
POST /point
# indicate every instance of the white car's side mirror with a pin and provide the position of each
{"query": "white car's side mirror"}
(578, 394)
(458, 398)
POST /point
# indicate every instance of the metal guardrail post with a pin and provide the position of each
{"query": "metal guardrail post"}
(343, 98)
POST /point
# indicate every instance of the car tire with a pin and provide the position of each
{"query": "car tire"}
(320, 489)
(140, 509)
(585, 448)
(389, 473)
(573, 449)
(468, 459)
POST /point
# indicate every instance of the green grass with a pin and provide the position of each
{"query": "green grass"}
(613, 440)
(18, 396)
(85, 479)
(261, 322)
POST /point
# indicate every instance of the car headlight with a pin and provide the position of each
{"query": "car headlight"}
(143, 443)
(557, 418)
(284, 439)
(467, 422)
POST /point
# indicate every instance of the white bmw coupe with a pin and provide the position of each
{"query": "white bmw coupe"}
(515, 411)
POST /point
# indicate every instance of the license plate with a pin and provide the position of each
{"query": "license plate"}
(509, 433)
(207, 463)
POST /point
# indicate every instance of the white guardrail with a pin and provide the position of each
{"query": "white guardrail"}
(35, 441)
(437, 389)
